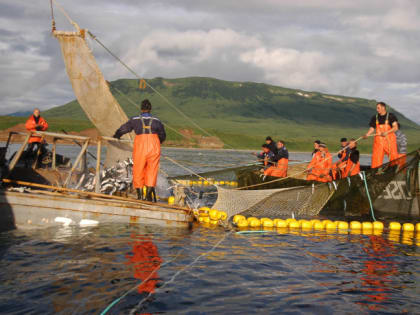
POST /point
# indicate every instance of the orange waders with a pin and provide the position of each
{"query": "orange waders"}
(278, 171)
(146, 157)
(339, 166)
(383, 145)
(355, 171)
(321, 167)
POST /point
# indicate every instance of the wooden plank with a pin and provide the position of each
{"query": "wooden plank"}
(38, 152)
(92, 194)
(98, 166)
(61, 135)
(78, 159)
(19, 153)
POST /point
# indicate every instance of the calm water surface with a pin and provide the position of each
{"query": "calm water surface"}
(134, 269)
(82, 270)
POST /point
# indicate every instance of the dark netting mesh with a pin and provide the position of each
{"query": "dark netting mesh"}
(393, 188)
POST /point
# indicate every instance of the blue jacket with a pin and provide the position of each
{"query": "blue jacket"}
(136, 124)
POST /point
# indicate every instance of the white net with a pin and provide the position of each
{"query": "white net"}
(92, 92)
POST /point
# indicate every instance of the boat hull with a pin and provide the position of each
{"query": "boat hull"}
(40, 210)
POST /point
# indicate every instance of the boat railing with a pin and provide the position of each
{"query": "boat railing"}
(82, 141)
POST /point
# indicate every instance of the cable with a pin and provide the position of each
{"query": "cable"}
(368, 195)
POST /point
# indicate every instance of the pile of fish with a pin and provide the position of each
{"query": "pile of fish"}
(118, 178)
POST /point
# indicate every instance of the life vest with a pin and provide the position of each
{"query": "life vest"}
(279, 170)
(320, 167)
(355, 171)
(383, 145)
(31, 126)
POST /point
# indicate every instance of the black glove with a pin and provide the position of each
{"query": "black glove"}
(116, 135)
(39, 128)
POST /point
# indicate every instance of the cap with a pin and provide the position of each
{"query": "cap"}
(317, 141)
(268, 138)
(322, 145)
(343, 140)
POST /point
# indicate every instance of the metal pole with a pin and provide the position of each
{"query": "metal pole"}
(79, 157)
(19, 153)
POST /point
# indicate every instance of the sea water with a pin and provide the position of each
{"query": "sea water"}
(138, 269)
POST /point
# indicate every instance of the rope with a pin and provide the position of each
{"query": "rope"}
(184, 167)
(368, 195)
(66, 15)
(116, 301)
(181, 271)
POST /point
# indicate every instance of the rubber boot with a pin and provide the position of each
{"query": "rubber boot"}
(150, 194)
(140, 195)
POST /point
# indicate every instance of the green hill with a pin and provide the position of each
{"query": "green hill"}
(241, 114)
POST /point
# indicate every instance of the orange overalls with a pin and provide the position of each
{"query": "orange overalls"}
(146, 157)
(339, 166)
(279, 170)
(383, 145)
(355, 171)
(31, 126)
(321, 167)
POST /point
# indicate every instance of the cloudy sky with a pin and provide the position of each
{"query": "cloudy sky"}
(361, 48)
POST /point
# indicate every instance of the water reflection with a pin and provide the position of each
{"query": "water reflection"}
(378, 269)
(146, 262)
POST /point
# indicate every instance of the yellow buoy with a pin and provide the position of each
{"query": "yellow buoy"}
(294, 224)
(214, 214)
(206, 183)
(237, 218)
(223, 215)
(378, 225)
(200, 219)
(367, 226)
(214, 221)
(395, 226)
(171, 200)
(264, 219)
(254, 223)
(315, 220)
(281, 223)
(318, 226)
(204, 211)
(418, 227)
(206, 219)
(275, 221)
(268, 223)
(290, 219)
(409, 227)
(343, 225)
(222, 182)
(251, 218)
(355, 225)
(306, 225)
(330, 226)
(242, 223)
(325, 222)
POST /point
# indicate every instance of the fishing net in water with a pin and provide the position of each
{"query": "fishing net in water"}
(302, 201)
(92, 92)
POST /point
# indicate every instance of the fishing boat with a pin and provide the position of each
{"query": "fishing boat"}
(41, 196)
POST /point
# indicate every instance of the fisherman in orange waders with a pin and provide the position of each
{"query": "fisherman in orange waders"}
(353, 164)
(36, 123)
(339, 166)
(150, 133)
(282, 162)
(319, 168)
(385, 141)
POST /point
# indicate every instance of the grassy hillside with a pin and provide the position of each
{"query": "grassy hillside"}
(243, 113)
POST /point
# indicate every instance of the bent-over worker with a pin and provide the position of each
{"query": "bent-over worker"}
(271, 144)
(343, 155)
(319, 168)
(36, 123)
(279, 169)
(353, 164)
(150, 134)
(385, 124)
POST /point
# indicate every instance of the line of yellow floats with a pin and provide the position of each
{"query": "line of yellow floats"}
(209, 182)
(213, 216)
